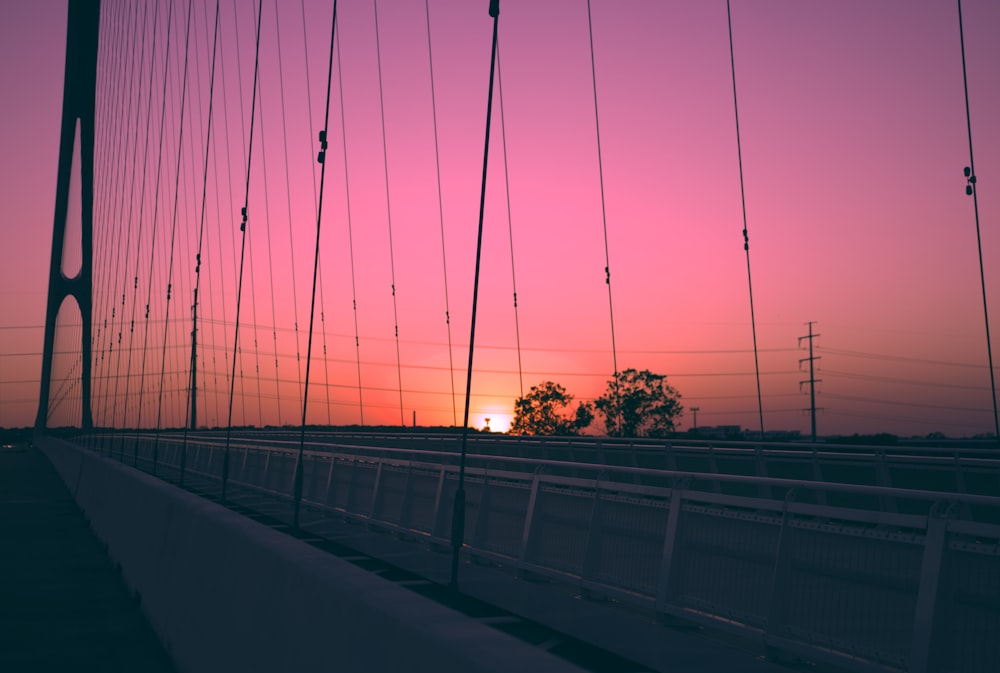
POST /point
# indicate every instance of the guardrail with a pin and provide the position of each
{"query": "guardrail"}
(971, 469)
(857, 583)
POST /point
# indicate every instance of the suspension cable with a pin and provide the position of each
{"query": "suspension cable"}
(388, 213)
(510, 225)
(249, 242)
(173, 233)
(321, 158)
(243, 231)
(350, 232)
(270, 247)
(110, 189)
(152, 247)
(201, 240)
(458, 511)
(110, 412)
(312, 165)
(288, 194)
(138, 238)
(444, 256)
(970, 174)
(604, 219)
(746, 237)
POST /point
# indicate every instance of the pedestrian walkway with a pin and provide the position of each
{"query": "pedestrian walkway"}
(63, 605)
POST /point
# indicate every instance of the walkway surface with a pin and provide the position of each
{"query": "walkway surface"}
(63, 605)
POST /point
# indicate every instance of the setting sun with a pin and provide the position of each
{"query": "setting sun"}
(494, 421)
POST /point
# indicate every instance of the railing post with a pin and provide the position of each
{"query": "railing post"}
(373, 507)
(329, 477)
(671, 458)
(670, 548)
(592, 555)
(528, 518)
(438, 501)
(763, 490)
(776, 606)
(921, 652)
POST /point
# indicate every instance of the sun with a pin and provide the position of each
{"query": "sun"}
(494, 421)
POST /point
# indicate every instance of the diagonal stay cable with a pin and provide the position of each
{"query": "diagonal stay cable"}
(350, 233)
(312, 305)
(444, 256)
(604, 218)
(173, 238)
(510, 226)
(243, 245)
(970, 174)
(458, 512)
(746, 237)
(388, 213)
(201, 240)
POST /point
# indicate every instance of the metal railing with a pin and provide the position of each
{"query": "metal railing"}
(964, 467)
(886, 577)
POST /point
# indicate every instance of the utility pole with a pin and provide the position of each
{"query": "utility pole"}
(695, 410)
(812, 380)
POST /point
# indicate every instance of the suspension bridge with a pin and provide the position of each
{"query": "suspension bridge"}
(291, 237)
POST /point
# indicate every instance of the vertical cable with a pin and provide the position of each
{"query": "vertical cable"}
(746, 237)
(322, 299)
(243, 231)
(350, 232)
(312, 305)
(444, 256)
(129, 228)
(388, 213)
(458, 511)
(970, 174)
(173, 232)
(288, 194)
(510, 226)
(604, 218)
(201, 240)
(152, 247)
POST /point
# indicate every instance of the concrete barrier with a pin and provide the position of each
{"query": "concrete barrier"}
(225, 593)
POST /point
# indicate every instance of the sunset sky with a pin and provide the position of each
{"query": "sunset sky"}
(854, 139)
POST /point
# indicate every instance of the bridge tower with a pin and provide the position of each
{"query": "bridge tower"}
(77, 135)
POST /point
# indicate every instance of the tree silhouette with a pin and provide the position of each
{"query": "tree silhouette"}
(543, 411)
(639, 404)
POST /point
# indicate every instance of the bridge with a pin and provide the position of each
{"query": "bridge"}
(282, 452)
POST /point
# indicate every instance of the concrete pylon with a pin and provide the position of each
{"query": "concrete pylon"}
(79, 100)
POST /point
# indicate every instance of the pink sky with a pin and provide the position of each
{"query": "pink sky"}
(854, 140)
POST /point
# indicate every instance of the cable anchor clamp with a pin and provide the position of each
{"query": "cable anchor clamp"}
(322, 144)
(970, 179)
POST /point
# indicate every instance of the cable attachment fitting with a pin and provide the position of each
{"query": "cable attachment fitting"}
(746, 240)
(607, 278)
(494, 8)
(243, 224)
(322, 147)
(970, 179)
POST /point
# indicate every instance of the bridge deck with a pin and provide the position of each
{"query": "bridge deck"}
(64, 606)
